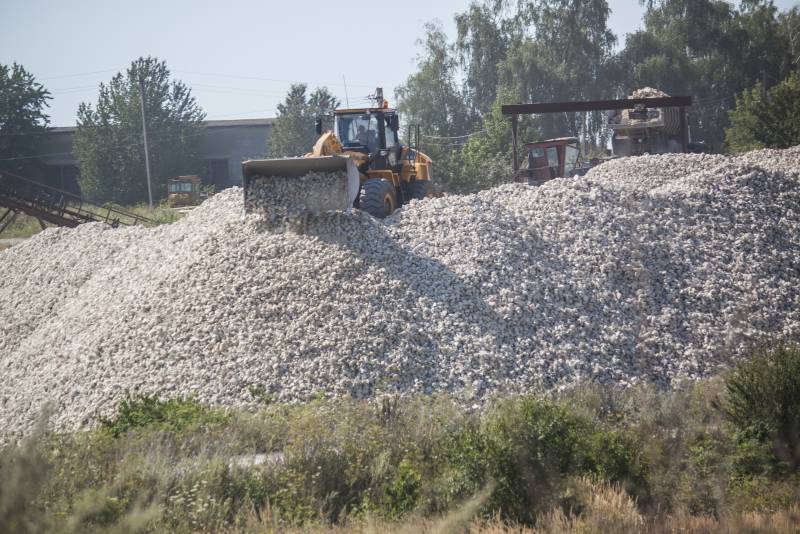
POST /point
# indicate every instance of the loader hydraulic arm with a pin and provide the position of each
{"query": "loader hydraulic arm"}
(327, 145)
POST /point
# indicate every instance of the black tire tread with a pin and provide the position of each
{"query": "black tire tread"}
(372, 195)
(418, 189)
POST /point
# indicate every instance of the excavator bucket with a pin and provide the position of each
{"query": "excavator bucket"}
(289, 186)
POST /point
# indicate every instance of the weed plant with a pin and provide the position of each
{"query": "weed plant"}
(711, 455)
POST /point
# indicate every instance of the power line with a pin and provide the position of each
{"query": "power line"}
(218, 75)
(78, 75)
(465, 136)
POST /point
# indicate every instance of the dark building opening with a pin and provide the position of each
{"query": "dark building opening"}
(64, 177)
(217, 173)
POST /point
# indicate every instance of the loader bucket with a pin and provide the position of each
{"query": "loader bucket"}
(294, 185)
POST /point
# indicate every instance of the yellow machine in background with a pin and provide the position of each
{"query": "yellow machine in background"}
(364, 146)
(183, 191)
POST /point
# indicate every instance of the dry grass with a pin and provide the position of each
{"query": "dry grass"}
(23, 226)
(606, 509)
(595, 460)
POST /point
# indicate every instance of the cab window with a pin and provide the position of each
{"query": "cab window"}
(358, 130)
(534, 156)
(552, 157)
(391, 137)
(570, 157)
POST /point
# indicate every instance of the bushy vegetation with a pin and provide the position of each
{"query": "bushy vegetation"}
(23, 119)
(595, 459)
(766, 118)
(293, 133)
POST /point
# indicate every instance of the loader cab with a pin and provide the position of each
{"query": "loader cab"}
(372, 131)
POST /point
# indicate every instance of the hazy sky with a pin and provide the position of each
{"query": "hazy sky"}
(238, 56)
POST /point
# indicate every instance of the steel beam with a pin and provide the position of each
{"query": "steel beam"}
(596, 105)
(514, 125)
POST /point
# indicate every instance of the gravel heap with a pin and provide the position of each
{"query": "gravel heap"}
(648, 92)
(656, 268)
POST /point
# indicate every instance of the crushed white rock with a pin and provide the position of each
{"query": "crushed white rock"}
(279, 198)
(657, 268)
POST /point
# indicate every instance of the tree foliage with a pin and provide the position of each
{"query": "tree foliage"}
(711, 50)
(23, 121)
(293, 133)
(508, 51)
(534, 50)
(763, 401)
(109, 143)
(771, 122)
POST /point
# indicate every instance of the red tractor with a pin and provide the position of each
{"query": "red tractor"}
(553, 158)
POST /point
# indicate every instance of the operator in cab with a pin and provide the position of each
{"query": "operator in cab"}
(362, 135)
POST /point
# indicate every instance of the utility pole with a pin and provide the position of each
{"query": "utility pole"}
(146, 151)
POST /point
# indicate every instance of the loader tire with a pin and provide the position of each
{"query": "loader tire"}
(378, 197)
(418, 189)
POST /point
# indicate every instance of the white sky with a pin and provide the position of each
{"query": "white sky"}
(238, 56)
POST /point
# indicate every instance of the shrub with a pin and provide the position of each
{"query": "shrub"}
(149, 411)
(403, 493)
(763, 402)
(529, 446)
(773, 122)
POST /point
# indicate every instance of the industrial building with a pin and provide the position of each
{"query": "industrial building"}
(223, 147)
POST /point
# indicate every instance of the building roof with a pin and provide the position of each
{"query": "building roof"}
(226, 123)
(239, 122)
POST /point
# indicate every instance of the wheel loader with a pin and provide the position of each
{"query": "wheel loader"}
(378, 173)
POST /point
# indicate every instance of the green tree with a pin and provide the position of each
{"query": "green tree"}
(564, 55)
(789, 33)
(484, 36)
(432, 99)
(771, 122)
(108, 143)
(486, 156)
(712, 50)
(293, 133)
(23, 122)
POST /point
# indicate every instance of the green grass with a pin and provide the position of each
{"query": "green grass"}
(23, 226)
(161, 213)
(591, 460)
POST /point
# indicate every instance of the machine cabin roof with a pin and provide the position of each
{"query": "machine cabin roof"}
(363, 110)
(189, 178)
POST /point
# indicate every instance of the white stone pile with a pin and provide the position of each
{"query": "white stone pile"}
(657, 268)
(281, 199)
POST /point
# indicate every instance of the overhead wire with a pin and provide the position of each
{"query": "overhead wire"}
(259, 78)
(78, 75)
(465, 136)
